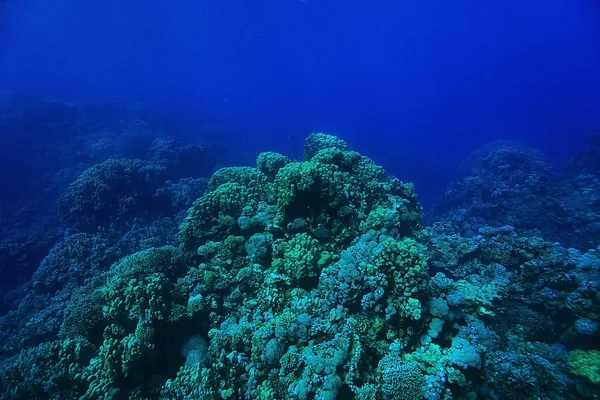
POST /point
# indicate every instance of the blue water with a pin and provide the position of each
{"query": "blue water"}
(417, 86)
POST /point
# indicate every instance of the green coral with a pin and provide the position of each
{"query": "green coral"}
(298, 257)
(400, 380)
(270, 163)
(305, 181)
(319, 141)
(585, 363)
(250, 178)
(230, 191)
(44, 368)
(139, 287)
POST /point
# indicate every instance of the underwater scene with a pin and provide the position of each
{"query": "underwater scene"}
(300, 199)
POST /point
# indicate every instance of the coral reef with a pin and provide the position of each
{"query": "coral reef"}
(311, 279)
(507, 183)
(109, 164)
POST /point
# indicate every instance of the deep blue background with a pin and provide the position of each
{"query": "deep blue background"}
(416, 84)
